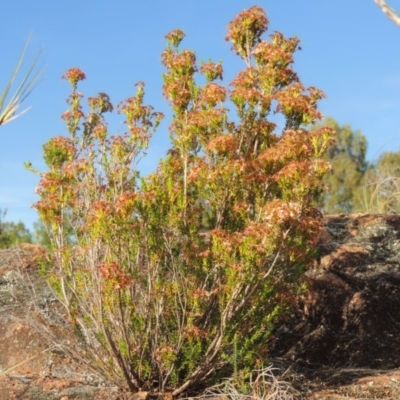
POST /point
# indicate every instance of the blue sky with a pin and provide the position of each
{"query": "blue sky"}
(349, 50)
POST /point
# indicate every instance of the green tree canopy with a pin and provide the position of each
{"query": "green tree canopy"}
(40, 234)
(12, 234)
(347, 158)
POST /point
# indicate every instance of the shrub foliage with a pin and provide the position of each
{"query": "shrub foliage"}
(173, 280)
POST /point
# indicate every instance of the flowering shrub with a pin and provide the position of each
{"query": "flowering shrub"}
(162, 274)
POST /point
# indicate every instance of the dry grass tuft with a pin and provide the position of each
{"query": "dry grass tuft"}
(263, 384)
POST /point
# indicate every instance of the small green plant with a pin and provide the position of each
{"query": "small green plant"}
(161, 274)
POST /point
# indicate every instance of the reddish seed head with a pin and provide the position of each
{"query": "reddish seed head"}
(175, 37)
(73, 76)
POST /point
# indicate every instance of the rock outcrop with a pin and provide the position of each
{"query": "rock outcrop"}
(350, 316)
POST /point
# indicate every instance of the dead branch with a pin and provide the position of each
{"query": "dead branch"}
(389, 11)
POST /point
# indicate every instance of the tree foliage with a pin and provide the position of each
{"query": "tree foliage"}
(41, 235)
(347, 157)
(12, 233)
(165, 272)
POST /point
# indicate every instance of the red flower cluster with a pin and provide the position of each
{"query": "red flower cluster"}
(73, 76)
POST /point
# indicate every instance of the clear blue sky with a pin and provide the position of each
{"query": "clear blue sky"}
(350, 49)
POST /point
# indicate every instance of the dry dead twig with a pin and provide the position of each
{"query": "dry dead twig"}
(389, 11)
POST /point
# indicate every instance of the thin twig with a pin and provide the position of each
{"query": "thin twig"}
(389, 11)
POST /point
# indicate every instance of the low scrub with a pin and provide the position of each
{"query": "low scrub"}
(174, 280)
